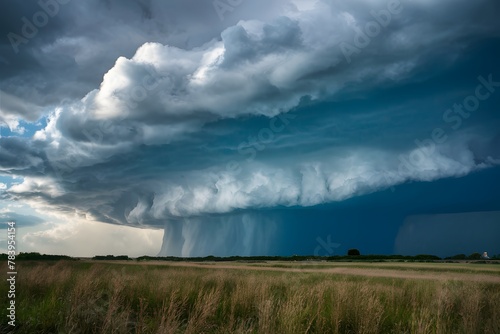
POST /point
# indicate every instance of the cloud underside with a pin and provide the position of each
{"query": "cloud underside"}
(232, 125)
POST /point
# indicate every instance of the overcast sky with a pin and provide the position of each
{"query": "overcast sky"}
(238, 127)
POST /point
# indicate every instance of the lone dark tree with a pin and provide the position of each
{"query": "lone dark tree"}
(475, 256)
(353, 251)
(459, 257)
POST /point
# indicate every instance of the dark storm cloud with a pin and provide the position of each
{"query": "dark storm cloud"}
(192, 118)
(450, 234)
(19, 157)
(44, 43)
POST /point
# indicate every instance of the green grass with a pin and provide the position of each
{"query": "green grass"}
(86, 297)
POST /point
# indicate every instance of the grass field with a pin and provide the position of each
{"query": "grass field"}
(166, 297)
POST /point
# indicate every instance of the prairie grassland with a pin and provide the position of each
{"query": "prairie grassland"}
(471, 267)
(89, 297)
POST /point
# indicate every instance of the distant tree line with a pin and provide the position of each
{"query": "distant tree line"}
(352, 255)
(111, 257)
(473, 256)
(37, 256)
(423, 257)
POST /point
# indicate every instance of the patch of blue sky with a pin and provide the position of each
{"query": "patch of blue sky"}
(7, 181)
(25, 129)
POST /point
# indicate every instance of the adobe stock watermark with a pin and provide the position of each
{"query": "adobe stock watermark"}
(364, 36)
(222, 7)
(30, 26)
(148, 86)
(453, 117)
(326, 247)
(265, 136)
(253, 145)
(259, 142)
(11, 272)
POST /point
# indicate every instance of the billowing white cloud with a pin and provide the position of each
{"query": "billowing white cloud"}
(73, 46)
(325, 178)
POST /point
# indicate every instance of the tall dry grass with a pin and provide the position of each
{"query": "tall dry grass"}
(72, 297)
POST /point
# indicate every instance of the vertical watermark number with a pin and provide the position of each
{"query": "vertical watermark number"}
(11, 272)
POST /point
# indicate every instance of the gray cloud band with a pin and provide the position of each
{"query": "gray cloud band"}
(30, 26)
(223, 7)
(364, 36)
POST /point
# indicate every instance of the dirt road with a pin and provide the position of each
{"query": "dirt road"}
(339, 269)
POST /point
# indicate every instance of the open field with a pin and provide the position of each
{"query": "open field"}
(272, 297)
(433, 271)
